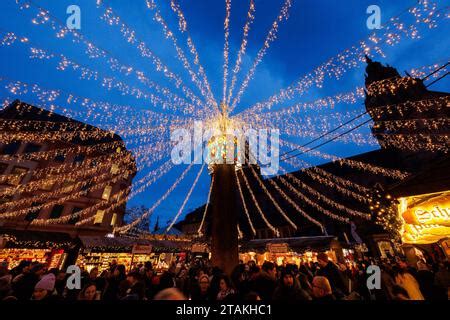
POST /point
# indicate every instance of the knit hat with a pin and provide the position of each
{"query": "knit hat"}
(47, 282)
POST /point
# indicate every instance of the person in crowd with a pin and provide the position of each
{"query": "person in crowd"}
(406, 280)
(335, 276)
(399, 293)
(149, 281)
(322, 290)
(113, 283)
(239, 280)
(264, 282)
(170, 294)
(22, 268)
(225, 288)
(442, 280)
(202, 291)
(167, 280)
(425, 278)
(44, 288)
(23, 285)
(89, 292)
(5, 282)
(289, 289)
(136, 289)
(252, 297)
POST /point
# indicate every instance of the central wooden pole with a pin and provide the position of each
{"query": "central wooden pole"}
(224, 234)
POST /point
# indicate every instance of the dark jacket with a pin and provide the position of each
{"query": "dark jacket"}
(335, 277)
(264, 285)
(290, 294)
(24, 287)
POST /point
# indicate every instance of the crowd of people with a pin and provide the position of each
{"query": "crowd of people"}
(322, 280)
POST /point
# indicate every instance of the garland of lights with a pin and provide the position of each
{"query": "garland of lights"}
(392, 173)
(420, 142)
(203, 86)
(188, 195)
(240, 234)
(333, 181)
(115, 202)
(255, 202)
(336, 186)
(226, 27)
(182, 26)
(244, 204)
(108, 82)
(97, 181)
(92, 51)
(129, 35)
(327, 200)
(200, 228)
(296, 207)
(312, 203)
(276, 205)
(77, 174)
(156, 204)
(45, 95)
(271, 36)
(352, 57)
(242, 48)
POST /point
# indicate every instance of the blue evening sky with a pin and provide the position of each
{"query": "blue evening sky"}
(315, 31)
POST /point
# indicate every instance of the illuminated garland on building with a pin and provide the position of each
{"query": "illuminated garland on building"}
(97, 183)
(384, 208)
(72, 176)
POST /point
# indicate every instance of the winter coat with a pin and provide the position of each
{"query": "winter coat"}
(264, 285)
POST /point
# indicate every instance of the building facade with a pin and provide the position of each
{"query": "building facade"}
(60, 175)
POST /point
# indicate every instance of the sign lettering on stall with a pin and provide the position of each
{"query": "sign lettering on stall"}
(426, 218)
(277, 247)
(142, 249)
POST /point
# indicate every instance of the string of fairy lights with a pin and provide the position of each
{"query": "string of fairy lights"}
(162, 108)
(271, 37)
(200, 227)
(242, 48)
(247, 214)
(393, 32)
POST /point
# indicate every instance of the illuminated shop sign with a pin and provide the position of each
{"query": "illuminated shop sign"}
(426, 218)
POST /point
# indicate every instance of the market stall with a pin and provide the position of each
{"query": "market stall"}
(49, 248)
(100, 252)
(290, 250)
(422, 205)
